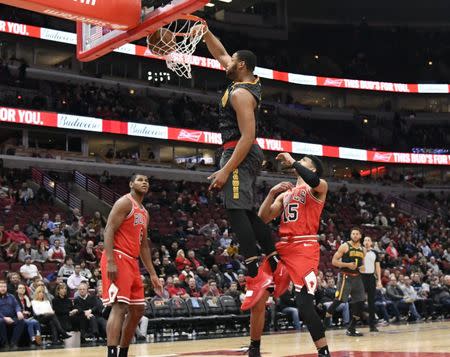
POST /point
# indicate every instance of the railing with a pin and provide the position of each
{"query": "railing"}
(409, 207)
(56, 189)
(98, 190)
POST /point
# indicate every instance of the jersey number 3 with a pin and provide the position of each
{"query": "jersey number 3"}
(291, 213)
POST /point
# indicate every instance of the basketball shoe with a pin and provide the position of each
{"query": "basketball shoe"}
(255, 288)
(281, 278)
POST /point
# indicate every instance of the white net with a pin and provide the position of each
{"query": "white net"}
(176, 42)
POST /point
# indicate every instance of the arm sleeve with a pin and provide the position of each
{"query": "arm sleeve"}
(310, 177)
(16, 305)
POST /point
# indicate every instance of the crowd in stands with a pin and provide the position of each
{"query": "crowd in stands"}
(384, 53)
(118, 103)
(51, 269)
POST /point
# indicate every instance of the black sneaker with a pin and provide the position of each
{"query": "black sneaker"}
(254, 352)
(374, 329)
(353, 333)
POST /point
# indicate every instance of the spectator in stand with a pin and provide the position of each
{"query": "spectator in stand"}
(14, 281)
(186, 274)
(86, 306)
(32, 325)
(168, 268)
(10, 316)
(98, 250)
(426, 251)
(225, 240)
(210, 228)
(232, 250)
(57, 253)
(193, 260)
(105, 178)
(229, 275)
(41, 239)
(210, 289)
(67, 269)
(234, 293)
(206, 253)
(12, 252)
(216, 275)
(74, 229)
(192, 289)
(44, 313)
(190, 229)
(181, 261)
(88, 255)
(45, 219)
(64, 309)
(28, 270)
(45, 231)
(101, 314)
(17, 236)
(432, 264)
(27, 250)
(74, 280)
(381, 220)
(26, 194)
(56, 223)
(392, 251)
(383, 305)
(41, 255)
(4, 239)
(94, 280)
(85, 272)
(98, 222)
(396, 295)
(57, 235)
(288, 306)
(175, 289)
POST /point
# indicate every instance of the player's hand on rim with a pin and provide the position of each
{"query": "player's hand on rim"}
(111, 269)
(198, 28)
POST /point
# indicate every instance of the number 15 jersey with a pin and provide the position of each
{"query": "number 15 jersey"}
(301, 213)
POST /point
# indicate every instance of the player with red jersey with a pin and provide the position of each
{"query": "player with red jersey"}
(300, 208)
(126, 241)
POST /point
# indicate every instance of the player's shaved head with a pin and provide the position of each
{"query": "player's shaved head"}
(248, 57)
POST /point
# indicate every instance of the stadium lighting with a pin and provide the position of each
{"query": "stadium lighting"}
(316, 57)
(227, 1)
(430, 63)
(210, 4)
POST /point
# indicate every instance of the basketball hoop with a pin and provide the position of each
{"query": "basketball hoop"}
(176, 42)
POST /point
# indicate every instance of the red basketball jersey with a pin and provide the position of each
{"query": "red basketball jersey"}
(130, 233)
(301, 213)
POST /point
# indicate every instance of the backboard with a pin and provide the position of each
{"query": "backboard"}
(94, 41)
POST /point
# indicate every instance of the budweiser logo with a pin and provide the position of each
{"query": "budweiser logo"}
(333, 82)
(382, 156)
(189, 135)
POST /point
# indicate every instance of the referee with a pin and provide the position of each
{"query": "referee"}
(371, 276)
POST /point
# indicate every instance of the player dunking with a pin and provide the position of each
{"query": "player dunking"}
(126, 241)
(241, 162)
(300, 208)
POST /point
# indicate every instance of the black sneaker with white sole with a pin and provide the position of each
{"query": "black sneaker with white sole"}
(354, 333)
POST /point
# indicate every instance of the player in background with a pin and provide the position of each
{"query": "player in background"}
(126, 241)
(300, 207)
(349, 258)
(241, 163)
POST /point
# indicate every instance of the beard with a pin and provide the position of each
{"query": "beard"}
(231, 73)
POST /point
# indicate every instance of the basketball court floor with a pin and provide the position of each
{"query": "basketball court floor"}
(413, 340)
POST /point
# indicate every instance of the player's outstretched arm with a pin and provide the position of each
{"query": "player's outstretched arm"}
(119, 212)
(273, 204)
(216, 49)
